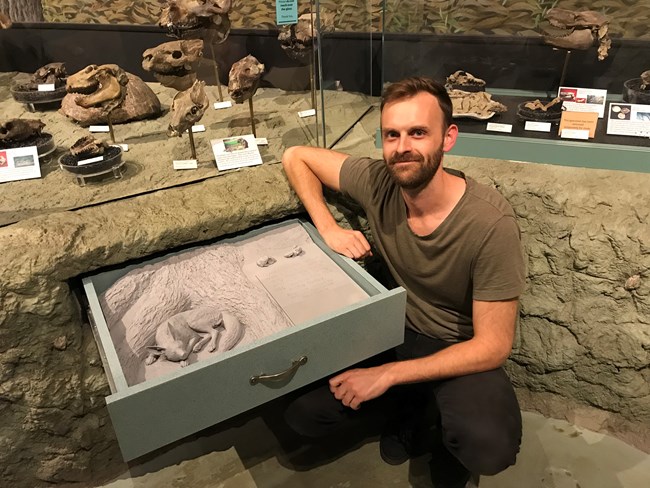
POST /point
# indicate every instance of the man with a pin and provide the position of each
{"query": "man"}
(454, 245)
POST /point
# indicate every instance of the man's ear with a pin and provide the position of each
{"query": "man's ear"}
(450, 138)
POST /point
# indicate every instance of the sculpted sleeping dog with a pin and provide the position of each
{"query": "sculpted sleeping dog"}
(188, 332)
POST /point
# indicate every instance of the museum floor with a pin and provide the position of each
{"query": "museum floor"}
(246, 453)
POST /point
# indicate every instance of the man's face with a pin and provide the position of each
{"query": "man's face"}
(414, 141)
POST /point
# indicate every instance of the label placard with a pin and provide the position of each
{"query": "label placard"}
(537, 126)
(575, 134)
(185, 164)
(307, 113)
(220, 105)
(286, 12)
(20, 163)
(90, 160)
(99, 128)
(46, 87)
(495, 127)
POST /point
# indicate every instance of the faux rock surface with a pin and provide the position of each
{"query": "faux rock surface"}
(582, 350)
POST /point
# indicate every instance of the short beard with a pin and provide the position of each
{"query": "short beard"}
(420, 177)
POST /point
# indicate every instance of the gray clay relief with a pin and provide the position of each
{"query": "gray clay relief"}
(204, 302)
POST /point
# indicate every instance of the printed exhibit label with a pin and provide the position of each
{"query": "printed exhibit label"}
(90, 160)
(286, 12)
(185, 164)
(198, 128)
(307, 113)
(20, 163)
(495, 127)
(585, 121)
(574, 134)
(262, 141)
(628, 119)
(46, 87)
(236, 152)
(99, 128)
(583, 100)
(537, 126)
(220, 105)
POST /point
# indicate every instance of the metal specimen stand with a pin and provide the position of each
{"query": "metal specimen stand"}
(565, 67)
(110, 127)
(250, 106)
(216, 72)
(192, 146)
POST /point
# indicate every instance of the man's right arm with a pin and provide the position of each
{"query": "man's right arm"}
(308, 169)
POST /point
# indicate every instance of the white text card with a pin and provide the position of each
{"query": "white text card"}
(99, 128)
(307, 113)
(185, 164)
(19, 164)
(575, 134)
(628, 119)
(493, 126)
(583, 99)
(537, 126)
(46, 87)
(262, 141)
(90, 160)
(236, 152)
(220, 105)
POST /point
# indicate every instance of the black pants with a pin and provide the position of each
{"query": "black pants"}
(479, 416)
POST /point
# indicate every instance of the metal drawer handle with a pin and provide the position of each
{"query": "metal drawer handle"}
(279, 376)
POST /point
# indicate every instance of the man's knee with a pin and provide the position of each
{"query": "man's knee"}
(315, 414)
(485, 449)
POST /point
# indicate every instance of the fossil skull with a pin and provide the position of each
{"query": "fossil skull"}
(87, 147)
(101, 86)
(244, 78)
(16, 130)
(297, 40)
(187, 108)
(53, 73)
(645, 80)
(5, 21)
(172, 63)
(577, 30)
(180, 17)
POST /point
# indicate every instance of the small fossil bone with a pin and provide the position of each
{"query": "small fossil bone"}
(296, 251)
(265, 261)
(645, 80)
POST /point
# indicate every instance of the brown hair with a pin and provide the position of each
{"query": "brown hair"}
(410, 87)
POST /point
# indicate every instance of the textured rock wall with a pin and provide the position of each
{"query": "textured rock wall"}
(582, 351)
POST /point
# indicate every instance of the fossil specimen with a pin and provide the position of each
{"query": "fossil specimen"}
(173, 63)
(18, 130)
(53, 73)
(265, 261)
(475, 104)
(5, 21)
(107, 88)
(537, 110)
(296, 251)
(102, 86)
(181, 17)
(189, 331)
(577, 30)
(88, 147)
(244, 78)
(297, 40)
(462, 80)
(645, 80)
(187, 108)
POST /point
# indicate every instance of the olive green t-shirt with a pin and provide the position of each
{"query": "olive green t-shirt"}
(474, 254)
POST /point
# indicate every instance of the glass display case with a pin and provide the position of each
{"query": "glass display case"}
(524, 51)
(315, 85)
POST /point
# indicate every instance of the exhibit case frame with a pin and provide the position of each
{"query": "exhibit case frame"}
(152, 413)
(504, 46)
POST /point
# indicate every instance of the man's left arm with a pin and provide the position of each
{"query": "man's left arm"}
(494, 330)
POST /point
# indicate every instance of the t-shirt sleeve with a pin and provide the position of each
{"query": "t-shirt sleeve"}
(355, 179)
(500, 269)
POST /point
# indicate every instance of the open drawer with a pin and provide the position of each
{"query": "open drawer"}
(294, 310)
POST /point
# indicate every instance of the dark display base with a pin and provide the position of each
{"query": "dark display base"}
(112, 158)
(511, 117)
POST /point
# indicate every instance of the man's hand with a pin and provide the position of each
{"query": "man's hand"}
(350, 243)
(359, 385)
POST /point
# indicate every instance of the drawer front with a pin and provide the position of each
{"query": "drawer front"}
(152, 414)
(164, 409)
